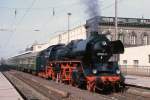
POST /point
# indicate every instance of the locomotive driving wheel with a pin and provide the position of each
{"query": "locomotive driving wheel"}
(91, 86)
(73, 83)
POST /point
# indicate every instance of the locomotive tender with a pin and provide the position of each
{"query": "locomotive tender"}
(82, 63)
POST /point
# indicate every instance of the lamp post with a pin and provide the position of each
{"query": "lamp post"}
(116, 19)
(116, 27)
(69, 14)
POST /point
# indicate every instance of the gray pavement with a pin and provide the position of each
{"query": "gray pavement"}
(138, 80)
(7, 91)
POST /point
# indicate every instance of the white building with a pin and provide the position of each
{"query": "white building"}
(36, 47)
(136, 56)
(40, 47)
(76, 33)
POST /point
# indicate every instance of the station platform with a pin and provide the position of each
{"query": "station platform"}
(138, 81)
(7, 91)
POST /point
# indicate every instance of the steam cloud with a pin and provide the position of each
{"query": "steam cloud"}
(92, 7)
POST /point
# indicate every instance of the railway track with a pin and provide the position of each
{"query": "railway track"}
(127, 96)
(56, 91)
(51, 90)
(132, 93)
(41, 92)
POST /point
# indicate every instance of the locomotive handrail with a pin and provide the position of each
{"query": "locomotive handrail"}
(67, 61)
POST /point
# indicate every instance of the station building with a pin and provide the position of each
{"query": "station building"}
(39, 47)
(136, 56)
(36, 47)
(75, 33)
(131, 31)
(136, 60)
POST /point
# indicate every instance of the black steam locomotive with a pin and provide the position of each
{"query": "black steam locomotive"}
(82, 63)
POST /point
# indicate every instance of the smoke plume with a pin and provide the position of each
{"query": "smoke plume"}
(92, 7)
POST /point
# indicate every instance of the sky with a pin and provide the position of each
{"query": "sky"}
(22, 22)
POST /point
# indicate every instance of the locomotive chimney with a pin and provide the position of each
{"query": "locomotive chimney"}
(92, 25)
(92, 10)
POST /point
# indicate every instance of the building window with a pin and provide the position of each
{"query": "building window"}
(121, 37)
(145, 39)
(133, 39)
(136, 62)
(124, 62)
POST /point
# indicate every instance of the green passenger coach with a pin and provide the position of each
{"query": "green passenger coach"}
(29, 62)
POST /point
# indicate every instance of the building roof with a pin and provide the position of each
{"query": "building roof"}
(122, 21)
(26, 55)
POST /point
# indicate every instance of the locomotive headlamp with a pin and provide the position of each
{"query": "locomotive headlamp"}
(118, 71)
(94, 71)
(104, 43)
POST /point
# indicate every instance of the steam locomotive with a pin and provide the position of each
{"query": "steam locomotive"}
(82, 63)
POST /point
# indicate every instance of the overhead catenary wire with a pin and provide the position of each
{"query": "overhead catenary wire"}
(54, 10)
(40, 8)
(14, 31)
(30, 8)
(46, 8)
(111, 5)
(77, 21)
(103, 8)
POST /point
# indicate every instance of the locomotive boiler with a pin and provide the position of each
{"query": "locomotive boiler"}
(96, 48)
